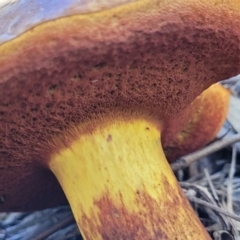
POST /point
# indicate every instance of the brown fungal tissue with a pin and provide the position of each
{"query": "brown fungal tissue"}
(74, 74)
(206, 115)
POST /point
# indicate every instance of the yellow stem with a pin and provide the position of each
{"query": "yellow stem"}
(120, 186)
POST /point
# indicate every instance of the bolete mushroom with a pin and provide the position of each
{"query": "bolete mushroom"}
(206, 115)
(85, 92)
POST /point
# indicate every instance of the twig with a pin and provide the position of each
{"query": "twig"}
(213, 207)
(185, 161)
(55, 228)
(214, 194)
(231, 81)
(230, 180)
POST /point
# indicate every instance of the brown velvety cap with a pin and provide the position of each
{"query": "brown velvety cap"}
(150, 57)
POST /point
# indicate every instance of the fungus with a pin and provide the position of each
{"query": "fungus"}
(86, 95)
(207, 114)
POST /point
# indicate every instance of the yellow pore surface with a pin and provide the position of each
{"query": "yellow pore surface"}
(117, 176)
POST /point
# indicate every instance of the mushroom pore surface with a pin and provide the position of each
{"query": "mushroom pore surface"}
(146, 59)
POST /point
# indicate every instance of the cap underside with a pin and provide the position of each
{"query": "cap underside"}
(140, 57)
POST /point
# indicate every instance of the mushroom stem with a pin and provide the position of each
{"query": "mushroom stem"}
(120, 185)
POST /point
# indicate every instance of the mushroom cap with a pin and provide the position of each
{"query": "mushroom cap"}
(207, 114)
(146, 58)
